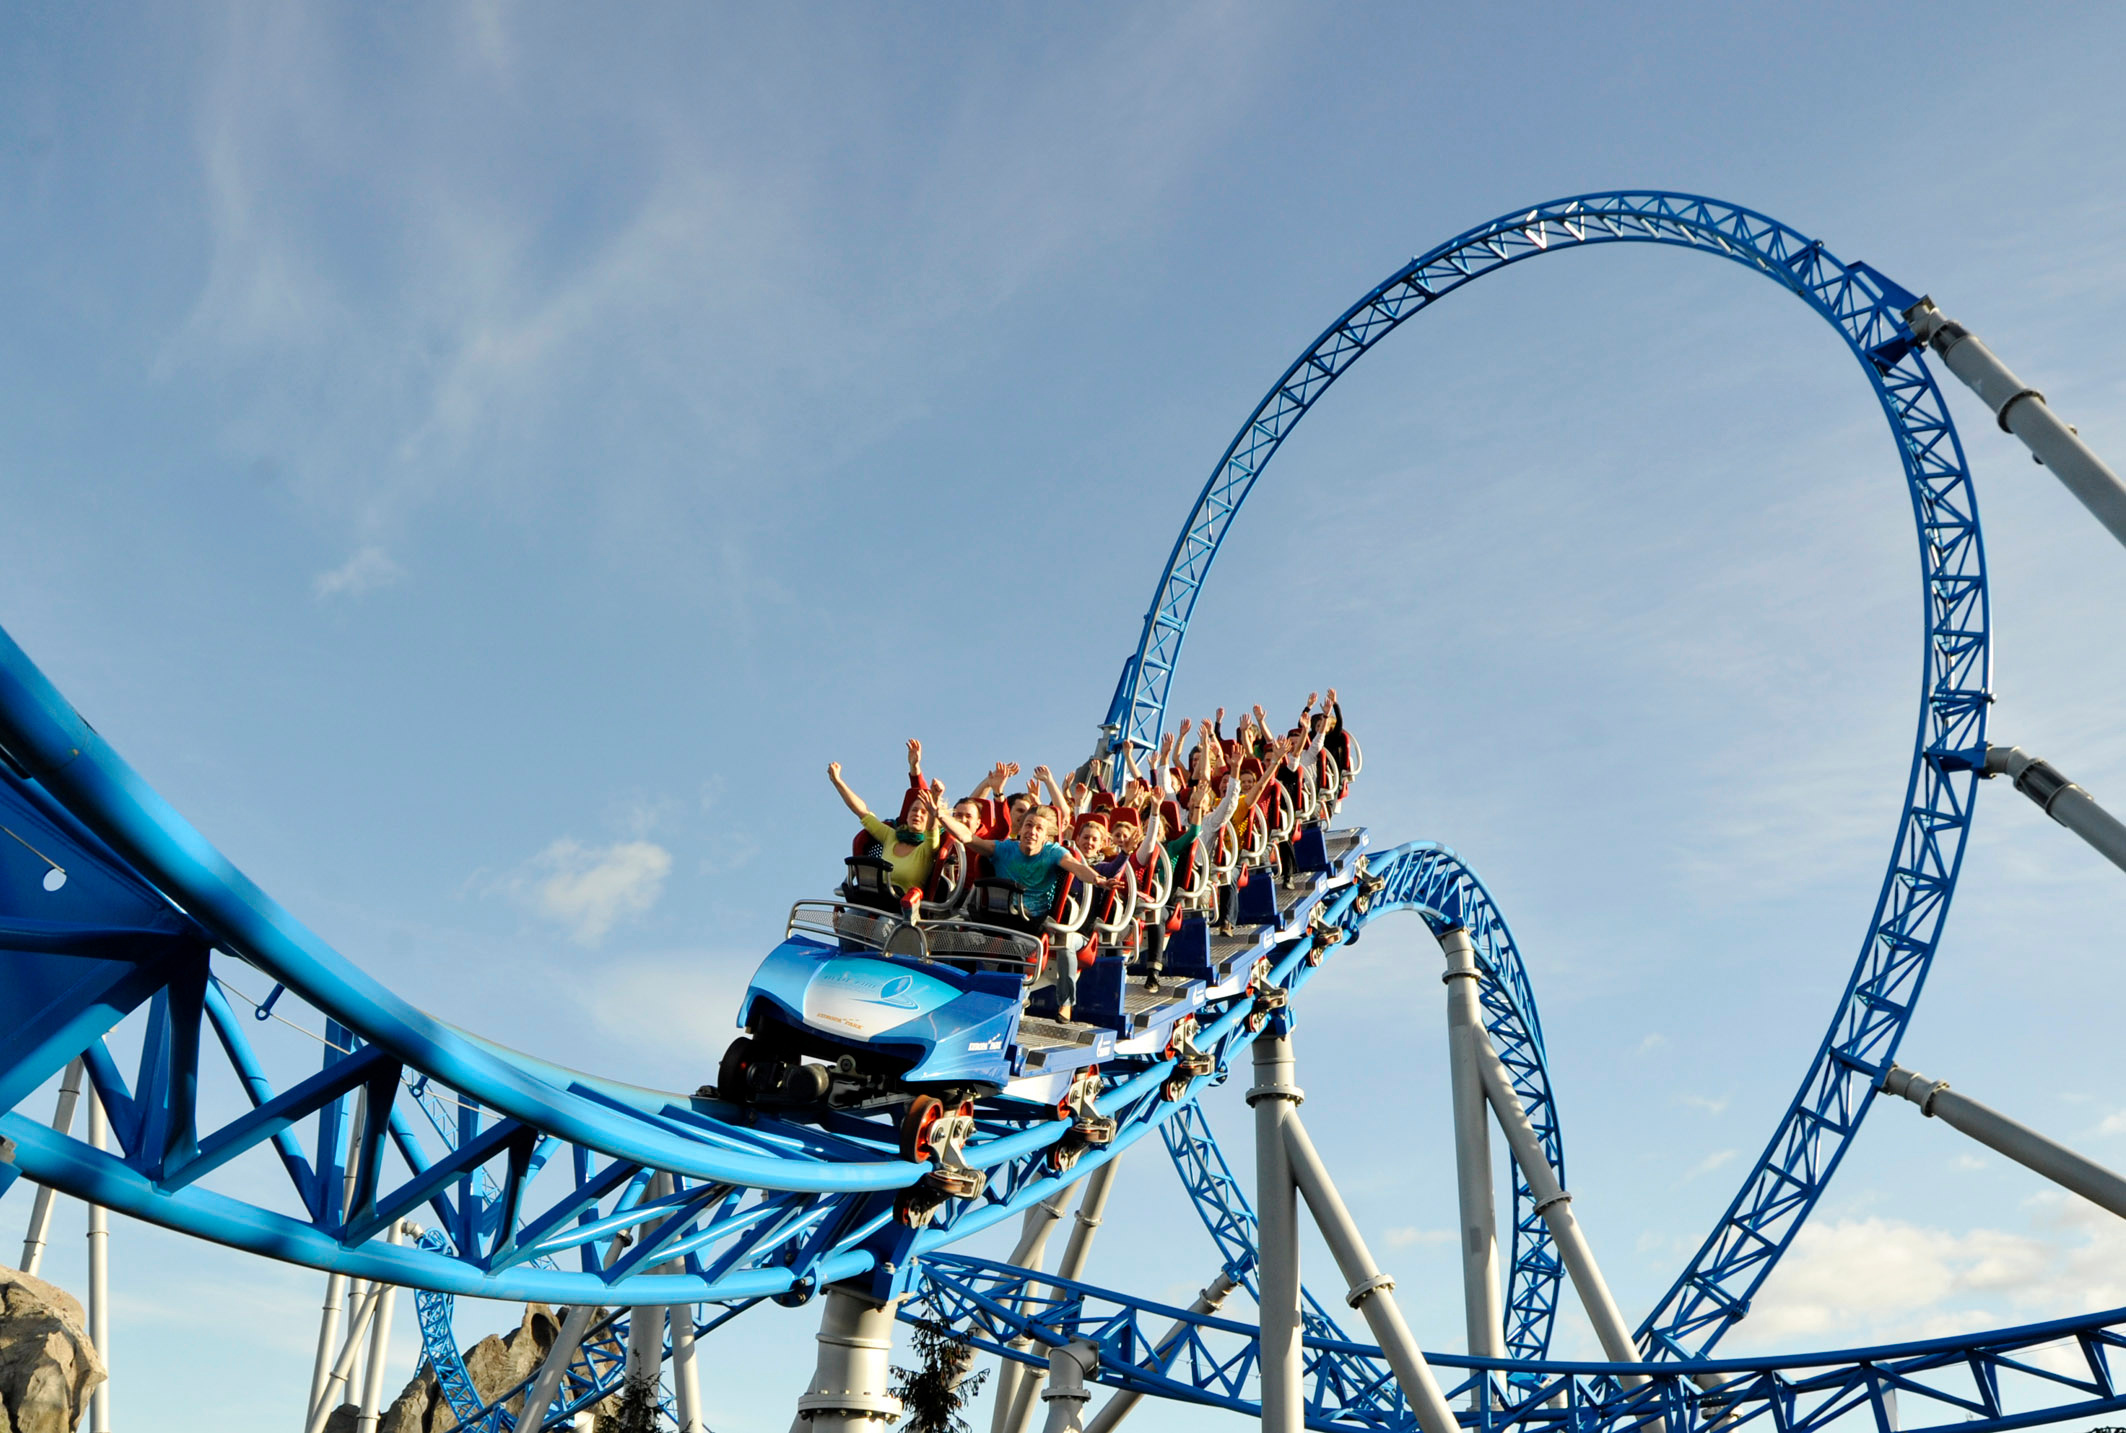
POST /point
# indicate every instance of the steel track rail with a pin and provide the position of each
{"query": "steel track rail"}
(1866, 310)
(2001, 1379)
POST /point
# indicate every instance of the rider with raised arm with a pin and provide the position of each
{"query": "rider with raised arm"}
(1034, 862)
(909, 849)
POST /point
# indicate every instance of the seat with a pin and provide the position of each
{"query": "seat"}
(869, 883)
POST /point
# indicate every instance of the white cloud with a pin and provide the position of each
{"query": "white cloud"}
(1709, 1104)
(1879, 1278)
(1651, 1042)
(1710, 1163)
(589, 889)
(679, 1005)
(369, 569)
(2114, 1123)
(1409, 1235)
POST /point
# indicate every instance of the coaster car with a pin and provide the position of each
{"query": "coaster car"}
(860, 1007)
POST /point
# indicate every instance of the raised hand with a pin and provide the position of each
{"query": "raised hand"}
(1042, 773)
(1221, 716)
(1332, 696)
(834, 771)
(1184, 726)
(1312, 697)
(1011, 768)
(915, 754)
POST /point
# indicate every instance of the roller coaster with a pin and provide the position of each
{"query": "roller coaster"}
(420, 1156)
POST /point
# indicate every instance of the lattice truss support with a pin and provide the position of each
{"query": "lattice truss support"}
(2014, 1378)
(1867, 310)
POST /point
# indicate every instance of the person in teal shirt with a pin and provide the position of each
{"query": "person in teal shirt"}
(1033, 861)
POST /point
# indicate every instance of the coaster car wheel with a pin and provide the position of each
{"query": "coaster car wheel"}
(734, 1071)
(921, 1116)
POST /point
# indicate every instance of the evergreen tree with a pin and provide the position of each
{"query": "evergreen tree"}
(933, 1394)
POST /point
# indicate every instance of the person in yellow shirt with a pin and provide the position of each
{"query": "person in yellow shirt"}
(909, 849)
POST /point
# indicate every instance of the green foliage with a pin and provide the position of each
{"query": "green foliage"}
(637, 1412)
(933, 1394)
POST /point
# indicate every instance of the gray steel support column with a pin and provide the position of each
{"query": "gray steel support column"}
(1277, 1237)
(1125, 1401)
(337, 1288)
(575, 1327)
(2005, 1136)
(686, 1372)
(547, 1386)
(2022, 410)
(328, 1336)
(1067, 1395)
(1369, 1287)
(1483, 1308)
(2060, 799)
(100, 1278)
(1034, 1229)
(1092, 1207)
(1555, 1205)
(380, 1340)
(1038, 1223)
(848, 1388)
(646, 1324)
(343, 1367)
(41, 1211)
(645, 1349)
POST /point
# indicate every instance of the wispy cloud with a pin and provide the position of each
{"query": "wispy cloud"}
(680, 1004)
(366, 571)
(1708, 1164)
(1410, 1236)
(587, 890)
(1711, 1104)
(1880, 1277)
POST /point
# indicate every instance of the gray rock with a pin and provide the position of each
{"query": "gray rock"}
(494, 1364)
(48, 1367)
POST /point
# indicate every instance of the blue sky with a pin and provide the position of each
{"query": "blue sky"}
(482, 463)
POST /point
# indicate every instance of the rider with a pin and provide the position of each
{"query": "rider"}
(1034, 862)
(909, 849)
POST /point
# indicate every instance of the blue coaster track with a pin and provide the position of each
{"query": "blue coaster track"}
(532, 1172)
(1867, 311)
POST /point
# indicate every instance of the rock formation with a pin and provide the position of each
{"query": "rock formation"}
(495, 1364)
(48, 1367)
